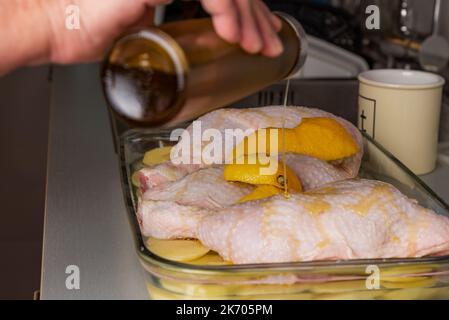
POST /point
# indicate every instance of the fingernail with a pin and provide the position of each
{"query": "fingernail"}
(255, 46)
(258, 45)
(277, 47)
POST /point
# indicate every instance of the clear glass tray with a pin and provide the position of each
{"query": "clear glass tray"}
(411, 278)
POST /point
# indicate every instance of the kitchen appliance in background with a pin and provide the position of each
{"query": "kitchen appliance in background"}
(409, 36)
(414, 34)
(334, 36)
(328, 61)
(325, 21)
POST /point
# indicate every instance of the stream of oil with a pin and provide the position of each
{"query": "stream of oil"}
(283, 155)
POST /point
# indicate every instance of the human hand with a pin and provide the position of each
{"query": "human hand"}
(246, 22)
(40, 26)
(102, 21)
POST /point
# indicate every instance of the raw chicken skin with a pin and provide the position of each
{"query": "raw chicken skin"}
(183, 200)
(352, 219)
(314, 173)
(205, 188)
(253, 119)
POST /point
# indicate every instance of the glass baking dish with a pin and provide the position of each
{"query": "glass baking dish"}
(410, 278)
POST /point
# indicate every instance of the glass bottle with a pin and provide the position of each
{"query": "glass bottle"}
(181, 70)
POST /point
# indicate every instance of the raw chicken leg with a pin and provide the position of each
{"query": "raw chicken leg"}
(206, 188)
(352, 219)
(249, 119)
(314, 173)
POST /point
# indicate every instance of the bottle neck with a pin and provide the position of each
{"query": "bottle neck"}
(302, 40)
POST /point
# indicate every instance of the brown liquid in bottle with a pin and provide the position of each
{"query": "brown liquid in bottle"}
(153, 92)
(141, 89)
(184, 69)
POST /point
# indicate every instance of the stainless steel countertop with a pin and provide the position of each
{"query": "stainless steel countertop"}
(85, 219)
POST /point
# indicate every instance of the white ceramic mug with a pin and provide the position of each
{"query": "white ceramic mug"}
(401, 110)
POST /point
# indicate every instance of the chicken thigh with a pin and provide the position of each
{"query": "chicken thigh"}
(351, 219)
(249, 120)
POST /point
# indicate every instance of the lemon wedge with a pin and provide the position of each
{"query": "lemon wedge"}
(251, 171)
(322, 138)
(261, 192)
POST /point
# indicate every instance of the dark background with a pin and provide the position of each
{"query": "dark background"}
(24, 110)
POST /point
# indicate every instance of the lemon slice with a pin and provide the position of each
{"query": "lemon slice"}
(177, 250)
(157, 156)
(323, 138)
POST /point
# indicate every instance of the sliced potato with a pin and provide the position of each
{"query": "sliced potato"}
(400, 270)
(355, 295)
(211, 259)
(157, 156)
(135, 179)
(239, 291)
(274, 290)
(418, 293)
(402, 279)
(198, 290)
(420, 282)
(299, 296)
(343, 286)
(157, 293)
(402, 274)
(177, 250)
